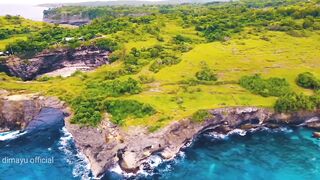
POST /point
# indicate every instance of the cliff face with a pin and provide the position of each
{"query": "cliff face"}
(109, 145)
(76, 20)
(17, 111)
(83, 58)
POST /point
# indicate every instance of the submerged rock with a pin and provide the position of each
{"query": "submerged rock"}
(316, 135)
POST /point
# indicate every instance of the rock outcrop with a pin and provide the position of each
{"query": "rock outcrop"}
(83, 58)
(76, 20)
(17, 111)
(109, 145)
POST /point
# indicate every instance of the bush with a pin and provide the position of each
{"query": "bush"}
(106, 44)
(265, 87)
(114, 88)
(144, 79)
(308, 80)
(87, 111)
(206, 74)
(293, 102)
(201, 115)
(179, 39)
(122, 109)
(316, 99)
(166, 61)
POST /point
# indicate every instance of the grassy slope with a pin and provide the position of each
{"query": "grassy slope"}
(18, 25)
(246, 54)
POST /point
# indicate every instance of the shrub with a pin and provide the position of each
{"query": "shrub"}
(201, 115)
(166, 61)
(265, 87)
(179, 39)
(144, 79)
(308, 80)
(106, 44)
(293, 102)
(87, 111)
(114, 88)
(316, 99)
(122, 109)
(206, 74)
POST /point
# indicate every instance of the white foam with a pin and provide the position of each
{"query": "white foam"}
(237, 131)
(10, 135)
(81, 163)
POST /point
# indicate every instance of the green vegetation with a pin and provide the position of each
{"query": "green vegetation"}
(265, 87)
(206, 74)
(308, 80)
(293, 102)
(201, 115)
(171, 62)
(122, 109)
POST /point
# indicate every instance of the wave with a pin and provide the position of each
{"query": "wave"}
(73, 156)
(10, 135)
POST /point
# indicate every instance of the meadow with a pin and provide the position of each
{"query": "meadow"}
(173, 92)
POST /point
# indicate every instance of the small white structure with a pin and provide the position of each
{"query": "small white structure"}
(2, 53)
(68, 39)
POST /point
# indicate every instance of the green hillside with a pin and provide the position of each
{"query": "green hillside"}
(182, 59)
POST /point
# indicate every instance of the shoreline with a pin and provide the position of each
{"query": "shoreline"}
(132, 156)
(108, 146)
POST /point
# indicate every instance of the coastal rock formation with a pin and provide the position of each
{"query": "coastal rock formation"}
(76, 19)
(109, 145)
(17, 111)
(83, 58)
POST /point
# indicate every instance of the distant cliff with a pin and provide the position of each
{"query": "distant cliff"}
(51, 16)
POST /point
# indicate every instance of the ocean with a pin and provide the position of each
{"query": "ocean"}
(27, 11)
(48, 150)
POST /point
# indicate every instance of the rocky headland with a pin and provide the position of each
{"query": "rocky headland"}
(76, 20)
(108, 145)
(56, 62)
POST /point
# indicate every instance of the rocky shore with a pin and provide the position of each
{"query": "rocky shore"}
(108, 145)
(57, 62)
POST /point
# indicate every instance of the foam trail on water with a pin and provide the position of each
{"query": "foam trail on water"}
(10, 135)
(74, 157)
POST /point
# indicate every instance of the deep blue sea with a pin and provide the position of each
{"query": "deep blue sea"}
(281, 155)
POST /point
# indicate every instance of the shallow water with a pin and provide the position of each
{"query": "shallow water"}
(289, 154)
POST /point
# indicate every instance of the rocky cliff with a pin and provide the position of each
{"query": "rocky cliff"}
(17, 111)
(83, 58)
(108, 145)
(76, 20)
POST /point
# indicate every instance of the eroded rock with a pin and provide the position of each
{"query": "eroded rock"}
(54, 62)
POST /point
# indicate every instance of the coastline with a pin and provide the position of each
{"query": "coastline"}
(108, 146)
(123, 151)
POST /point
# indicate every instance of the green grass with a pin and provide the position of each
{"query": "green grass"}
(282, 56)
(5, 42)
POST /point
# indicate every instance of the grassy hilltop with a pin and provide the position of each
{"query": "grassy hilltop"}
(179, 60)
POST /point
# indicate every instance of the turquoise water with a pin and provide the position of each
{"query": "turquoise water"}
(289, 155)
(285, 155)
